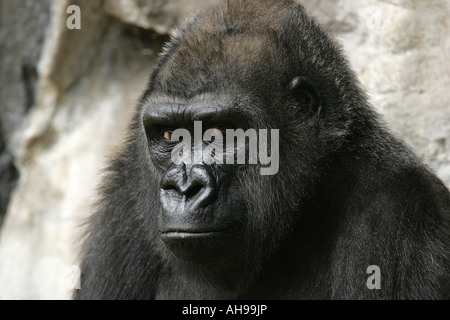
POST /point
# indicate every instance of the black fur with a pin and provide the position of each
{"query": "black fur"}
(348, 194)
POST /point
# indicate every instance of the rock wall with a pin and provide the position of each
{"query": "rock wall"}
(66, 96)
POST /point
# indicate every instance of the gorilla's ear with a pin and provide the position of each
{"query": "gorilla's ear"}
(305, 93)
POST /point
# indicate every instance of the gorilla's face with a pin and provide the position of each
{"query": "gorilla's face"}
(220, 209)
(214, 211)
(201, 216)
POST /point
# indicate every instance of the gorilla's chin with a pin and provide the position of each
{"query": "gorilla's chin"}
(197, 247)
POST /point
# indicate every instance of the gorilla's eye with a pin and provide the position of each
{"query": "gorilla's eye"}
(168, 134)
(218, 131)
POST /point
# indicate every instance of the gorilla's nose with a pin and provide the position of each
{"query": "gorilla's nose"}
(191, 187)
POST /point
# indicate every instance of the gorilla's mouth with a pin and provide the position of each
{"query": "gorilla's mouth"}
(196, 246)
(189, 234)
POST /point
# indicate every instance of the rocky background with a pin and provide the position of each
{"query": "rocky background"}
(66, 96)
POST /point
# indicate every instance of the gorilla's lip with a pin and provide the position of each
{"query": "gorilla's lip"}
(177, 233)
(196, 246)
(187, 235)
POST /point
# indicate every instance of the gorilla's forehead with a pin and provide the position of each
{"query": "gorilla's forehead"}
(219, 64)
(237, 53)
(226, 49)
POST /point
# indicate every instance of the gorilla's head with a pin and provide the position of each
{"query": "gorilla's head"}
(243, 65)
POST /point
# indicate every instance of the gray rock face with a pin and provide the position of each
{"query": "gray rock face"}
(85, 85)
(66, 96)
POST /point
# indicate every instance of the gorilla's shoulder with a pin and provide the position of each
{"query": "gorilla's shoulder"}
(407, 193)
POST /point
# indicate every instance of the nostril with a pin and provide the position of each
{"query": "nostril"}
(174, 178)
(192, 190)
(170, 186)
(189, 189)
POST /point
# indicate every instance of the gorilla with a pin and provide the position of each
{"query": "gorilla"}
(348, 196)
